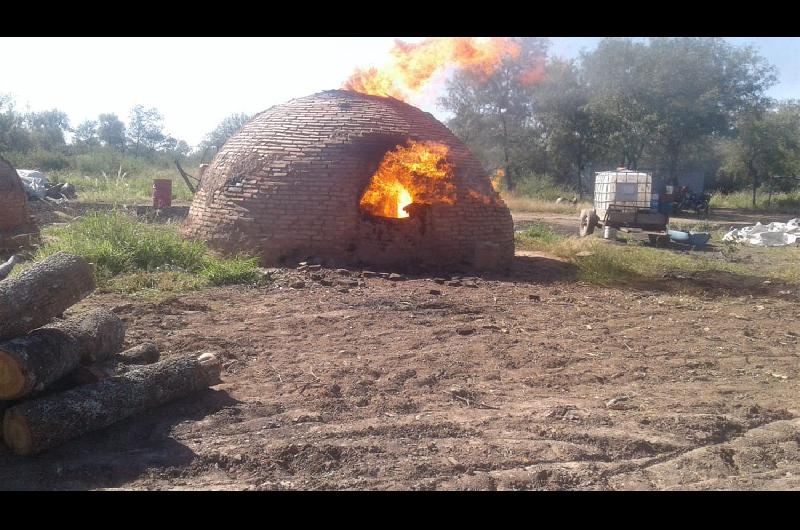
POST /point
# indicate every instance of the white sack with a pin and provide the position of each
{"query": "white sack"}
(771, 235)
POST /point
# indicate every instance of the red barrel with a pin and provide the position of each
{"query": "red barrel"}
(162, 193)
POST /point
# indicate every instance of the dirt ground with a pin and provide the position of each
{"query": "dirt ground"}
(527, 381)
(720, 218)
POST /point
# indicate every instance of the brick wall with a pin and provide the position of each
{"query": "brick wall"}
(287, 187)
(15, 217)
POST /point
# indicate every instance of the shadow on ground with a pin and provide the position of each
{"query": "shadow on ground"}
(713, 284)
(537, 267)
(116, 455)
(541, 268)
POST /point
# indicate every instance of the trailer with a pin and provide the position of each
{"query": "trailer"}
(624, 200)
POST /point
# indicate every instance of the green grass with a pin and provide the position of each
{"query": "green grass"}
(131, 256)
(538, 193)
(538, 236)
(608, 264)
(121, 188)
(743, 200)
(541, 187)
(519, 203)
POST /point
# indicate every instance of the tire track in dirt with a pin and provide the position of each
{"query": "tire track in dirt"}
(382, 386)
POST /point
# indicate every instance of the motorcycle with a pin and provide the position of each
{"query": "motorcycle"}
(698, 202)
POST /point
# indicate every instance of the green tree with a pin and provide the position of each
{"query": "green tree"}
(174, 147)
(495, 115)
(14, 136)
(696, 88)
(168, 144)
(111, 131)
(145, 128)
(47, 128)
(767, 144)
(616, 74)
(182, 149)
(224, 130)
(86, 134)
(575, 132)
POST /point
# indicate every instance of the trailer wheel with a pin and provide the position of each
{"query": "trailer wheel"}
(588, 222)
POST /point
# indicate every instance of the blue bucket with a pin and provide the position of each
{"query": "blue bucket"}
(696, 239)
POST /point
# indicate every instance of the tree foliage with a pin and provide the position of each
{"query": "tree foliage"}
(86, 134)
(145, 129)
(111, 131)
(767, 145)
(494, 115)
(39, 140)
(224, 130)
(665, 103)
(47, 128)
(575, 133)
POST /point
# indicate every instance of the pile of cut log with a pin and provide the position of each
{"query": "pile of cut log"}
(60, 379)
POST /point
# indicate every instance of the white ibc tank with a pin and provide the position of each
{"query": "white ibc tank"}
(622, 188)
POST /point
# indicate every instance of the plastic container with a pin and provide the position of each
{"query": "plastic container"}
(622, 188)
(654, 202)
(162, 193)
(696, 239)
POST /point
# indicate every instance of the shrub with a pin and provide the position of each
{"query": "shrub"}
(786, 202)
(40, 160)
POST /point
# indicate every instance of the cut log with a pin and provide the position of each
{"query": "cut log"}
(30, 363)
(92, 373)
(36, 425)
(42, 292)
(144, 353)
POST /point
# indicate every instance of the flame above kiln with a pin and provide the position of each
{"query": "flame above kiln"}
(413, 65)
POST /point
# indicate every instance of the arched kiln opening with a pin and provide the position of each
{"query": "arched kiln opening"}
(394, 228)
(413, 173)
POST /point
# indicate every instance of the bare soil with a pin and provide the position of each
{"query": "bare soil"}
(528, 381)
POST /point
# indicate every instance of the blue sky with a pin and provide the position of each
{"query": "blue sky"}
(196, 82)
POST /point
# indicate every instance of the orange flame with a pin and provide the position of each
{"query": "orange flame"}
(415, 173)
(481, 197)
(413, 65)
(497, 179)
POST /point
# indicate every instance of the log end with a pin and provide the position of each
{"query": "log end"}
(211, 366)
(144, 353)
(17, 434)
(13, 383)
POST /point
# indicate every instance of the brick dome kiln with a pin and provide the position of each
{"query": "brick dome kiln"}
(17, 227)
(294, 183)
